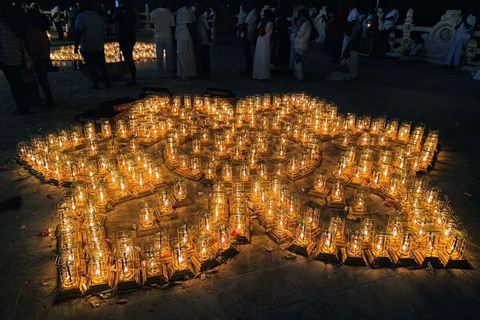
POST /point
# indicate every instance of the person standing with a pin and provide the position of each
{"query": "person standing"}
(90, 28)
(40, 50)
(57, 19)
(301, 42)
(164, 24)
(462, 34)
(261, 66)
(351, 28)
(186, 67)
(127, 22)
(248, 35)
(389, 23)
(12, 55)
(212, 21)
(204, 38)
(71, 15)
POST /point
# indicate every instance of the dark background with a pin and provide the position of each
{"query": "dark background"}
(426, 12)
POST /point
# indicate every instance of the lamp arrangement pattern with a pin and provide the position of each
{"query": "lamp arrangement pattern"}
(248, 156)
(141, 51)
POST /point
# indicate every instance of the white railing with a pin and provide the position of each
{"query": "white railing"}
(438, 39)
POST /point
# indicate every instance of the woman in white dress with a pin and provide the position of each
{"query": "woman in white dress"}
(301, 43)
(186, 66)
(261, 65)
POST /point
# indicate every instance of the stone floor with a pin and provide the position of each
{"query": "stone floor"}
(258, 284)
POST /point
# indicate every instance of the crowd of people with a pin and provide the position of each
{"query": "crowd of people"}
(271, 38)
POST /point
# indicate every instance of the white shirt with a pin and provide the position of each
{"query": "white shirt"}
(163, 21)
(57, 11)
(302, 37)
(463, 33)
(183, 18)
(202, 31)
(241, 17)
(251, 20)
(353, 15)
(387, 24)
(93, 31)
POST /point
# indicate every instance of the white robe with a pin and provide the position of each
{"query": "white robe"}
(261, 64)
(186, 66)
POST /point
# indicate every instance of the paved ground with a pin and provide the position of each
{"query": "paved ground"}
(256, 284)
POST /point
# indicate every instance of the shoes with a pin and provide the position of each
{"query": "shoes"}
(95, 87)
(132, 83)
(447, 66)
(108, 85)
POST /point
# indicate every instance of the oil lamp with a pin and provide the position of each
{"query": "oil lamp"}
(353, 253)
(392, 129)
(98, 267)
(360, 201)
(238, 220)
(338, 193)
(165, 202)
(152, 264)
(106, 130)
(89, 130)
(160, 242)
(68, 274)
(327, 248)
(454, 253)
(227, 171)
(180, 188)
(367, 227)
(404, 131)
(184, 233)
(147, 217)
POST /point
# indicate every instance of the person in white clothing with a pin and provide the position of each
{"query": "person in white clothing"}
(389, 23)
(390, 19)
(301, 42)
(212, 21)
(348, 64)
(464, 30)
(261, 65)
(351, 28)
(57, 19)
(164, 24)
(186, 66)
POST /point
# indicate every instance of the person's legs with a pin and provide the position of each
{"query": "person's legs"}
(346, 40)
(100, 57)
(168, 46)
(298, 66)
(14, 76)
(159, 49)
(127, 51)
(40, 67)
(247, 51)
(458, 52)
(205, 56)
(451, 53)
(92, 66)
(58, 27)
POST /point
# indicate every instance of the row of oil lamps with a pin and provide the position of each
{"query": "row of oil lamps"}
(141, 51)
(251, 148)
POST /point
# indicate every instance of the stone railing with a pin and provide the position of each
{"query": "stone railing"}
(438, 39)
